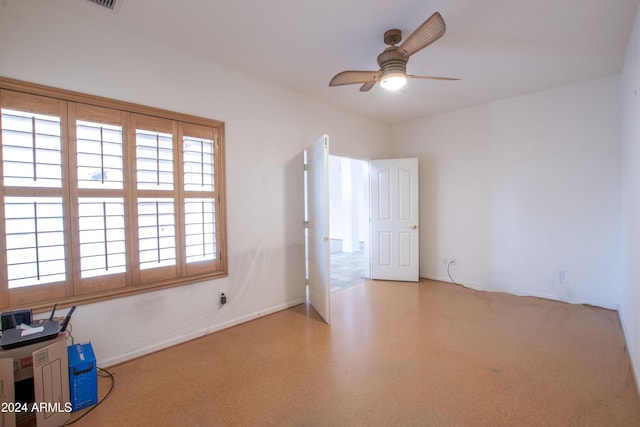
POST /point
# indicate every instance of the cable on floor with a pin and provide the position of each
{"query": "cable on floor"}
(103, 373)
(449, 273)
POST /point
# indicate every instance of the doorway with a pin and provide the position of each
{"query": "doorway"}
(389, 213)
(349, 221)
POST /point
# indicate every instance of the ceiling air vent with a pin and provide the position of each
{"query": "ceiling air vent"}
(113, 5)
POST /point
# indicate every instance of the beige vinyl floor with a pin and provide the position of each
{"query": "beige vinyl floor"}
(395, 354)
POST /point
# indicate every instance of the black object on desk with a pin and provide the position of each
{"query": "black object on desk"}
(16, 337)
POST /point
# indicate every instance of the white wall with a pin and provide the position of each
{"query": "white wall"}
(630, 299)
(267, 128)
(521, 189)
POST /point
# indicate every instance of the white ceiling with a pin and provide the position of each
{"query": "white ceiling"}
(499, 48)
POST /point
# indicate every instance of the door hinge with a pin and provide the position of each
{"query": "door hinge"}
(326, 240)
(305, 224)
(305, 167)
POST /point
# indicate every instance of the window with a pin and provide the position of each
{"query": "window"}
(102, 198)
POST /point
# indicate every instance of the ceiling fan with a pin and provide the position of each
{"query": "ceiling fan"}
(393, 60)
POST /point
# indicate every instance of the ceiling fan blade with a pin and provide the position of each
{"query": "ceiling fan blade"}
(353, 77)
(430, 31)
(412, 76)
(367, 86)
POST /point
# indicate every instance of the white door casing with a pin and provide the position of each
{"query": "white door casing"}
(394, 219)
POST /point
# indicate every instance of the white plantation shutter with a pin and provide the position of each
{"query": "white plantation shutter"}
(101, 223)
(101, 220)
(99, 155)
(32, 174)
(35, 240)
(200, 223)
(156, 233)
(154, 160)
(199, 163)
(31, 149)
(200, 230)
(97, 198)
(155, 195)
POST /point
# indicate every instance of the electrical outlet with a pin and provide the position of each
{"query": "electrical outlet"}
(452, 260)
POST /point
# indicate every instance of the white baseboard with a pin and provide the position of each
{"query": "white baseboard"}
(471, 285)
(252, 316)
(528, 293)
(105, 363)
(195, 334)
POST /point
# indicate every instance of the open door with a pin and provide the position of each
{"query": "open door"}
(394, 220)
(318, 225)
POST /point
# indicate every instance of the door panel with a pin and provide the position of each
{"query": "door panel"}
(384, 249)
(384, 190)
(318, 228)
(405, 251)
(404, 195)
(394, 219)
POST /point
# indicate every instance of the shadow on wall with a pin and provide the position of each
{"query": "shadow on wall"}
(428, 170)
(294, 229)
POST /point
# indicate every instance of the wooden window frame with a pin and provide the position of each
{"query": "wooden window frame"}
(75, 290)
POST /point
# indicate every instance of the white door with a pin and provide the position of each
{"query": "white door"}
(318, 228)
(394, 220)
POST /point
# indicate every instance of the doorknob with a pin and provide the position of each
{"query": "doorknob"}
(414, 227)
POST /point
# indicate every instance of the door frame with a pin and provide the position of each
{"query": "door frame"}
(364, 213)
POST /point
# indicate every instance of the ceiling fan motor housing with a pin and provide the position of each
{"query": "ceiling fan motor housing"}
(392, 61)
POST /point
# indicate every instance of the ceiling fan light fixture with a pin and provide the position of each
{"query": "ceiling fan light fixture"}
(393, 80)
